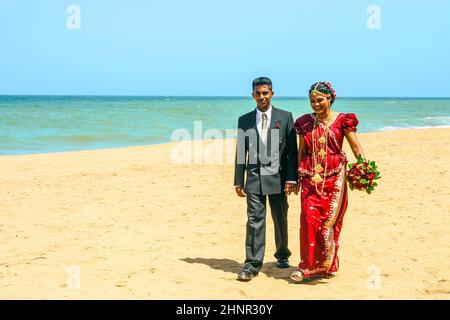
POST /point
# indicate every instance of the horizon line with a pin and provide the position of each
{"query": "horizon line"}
(210, 96)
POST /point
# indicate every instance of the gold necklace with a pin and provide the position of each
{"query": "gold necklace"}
(319, 156)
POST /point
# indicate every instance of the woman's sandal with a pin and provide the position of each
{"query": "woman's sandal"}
(297, 276)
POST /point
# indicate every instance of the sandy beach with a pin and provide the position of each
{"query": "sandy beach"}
(135, 225)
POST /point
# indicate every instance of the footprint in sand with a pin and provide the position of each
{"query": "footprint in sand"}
(41, 256)
(101, 258)
(121, 284)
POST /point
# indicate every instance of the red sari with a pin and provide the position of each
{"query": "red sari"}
(322, 211)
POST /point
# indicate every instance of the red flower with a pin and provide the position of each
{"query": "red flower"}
(277, 124)
(362, 175)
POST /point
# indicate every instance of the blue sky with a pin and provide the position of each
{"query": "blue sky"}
(216, 48)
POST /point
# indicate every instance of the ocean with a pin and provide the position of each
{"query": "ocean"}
(42, 124)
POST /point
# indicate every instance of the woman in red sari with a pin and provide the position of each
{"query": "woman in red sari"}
(322, 169)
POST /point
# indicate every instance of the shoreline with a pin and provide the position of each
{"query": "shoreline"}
(207, 140)
(199, 96)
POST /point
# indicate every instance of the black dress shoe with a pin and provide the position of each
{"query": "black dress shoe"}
(283, 263)
(246, 275)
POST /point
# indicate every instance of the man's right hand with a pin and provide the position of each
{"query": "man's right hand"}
(240, 191)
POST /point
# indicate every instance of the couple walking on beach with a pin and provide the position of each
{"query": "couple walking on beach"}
(270, 164)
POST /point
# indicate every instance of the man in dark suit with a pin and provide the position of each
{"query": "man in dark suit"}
(267, 152)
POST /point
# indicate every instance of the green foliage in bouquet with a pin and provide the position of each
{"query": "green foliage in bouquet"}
(362, 175)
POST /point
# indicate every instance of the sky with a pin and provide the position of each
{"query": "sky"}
(216, 48)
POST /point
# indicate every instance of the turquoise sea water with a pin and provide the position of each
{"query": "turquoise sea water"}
(40, 124)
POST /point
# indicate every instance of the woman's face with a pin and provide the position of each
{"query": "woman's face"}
(320, 104)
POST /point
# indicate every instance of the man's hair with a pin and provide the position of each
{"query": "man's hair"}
(261, 81)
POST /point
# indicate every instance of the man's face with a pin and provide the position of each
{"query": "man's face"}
(263, 95)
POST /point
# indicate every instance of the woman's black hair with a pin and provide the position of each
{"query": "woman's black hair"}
(325, 88)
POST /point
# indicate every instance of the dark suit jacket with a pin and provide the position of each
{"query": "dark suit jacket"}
(269, 165)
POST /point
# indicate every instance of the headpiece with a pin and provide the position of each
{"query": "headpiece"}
(323, 88)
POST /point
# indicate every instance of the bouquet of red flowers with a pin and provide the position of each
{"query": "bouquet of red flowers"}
(362, 175)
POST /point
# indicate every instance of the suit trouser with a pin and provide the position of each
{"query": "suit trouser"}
(255, 242)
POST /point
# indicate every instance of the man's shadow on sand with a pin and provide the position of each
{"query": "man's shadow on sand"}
(269, 269)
